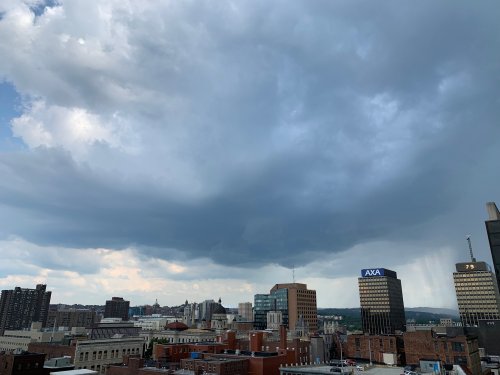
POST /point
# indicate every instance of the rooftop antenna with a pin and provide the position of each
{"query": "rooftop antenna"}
(470, 248)
(293, 273)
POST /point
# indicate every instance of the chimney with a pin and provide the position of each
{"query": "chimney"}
(256, 339)
(231, 340)
(282, 337)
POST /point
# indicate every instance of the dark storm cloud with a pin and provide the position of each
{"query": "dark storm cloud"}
(267, 133)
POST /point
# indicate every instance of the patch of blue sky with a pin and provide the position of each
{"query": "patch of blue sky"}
(39, 8)
(10, 107)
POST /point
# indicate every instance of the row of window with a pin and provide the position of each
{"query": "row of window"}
(103, 354)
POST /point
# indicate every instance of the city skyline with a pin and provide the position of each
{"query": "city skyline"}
(207, 150)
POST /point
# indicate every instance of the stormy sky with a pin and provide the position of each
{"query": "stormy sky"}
(196, 149)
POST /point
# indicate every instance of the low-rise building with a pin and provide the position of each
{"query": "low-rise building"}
(20, 339)
(451, 348)
(95, 354)
(98, 354)
(375, 348)
(22, 363)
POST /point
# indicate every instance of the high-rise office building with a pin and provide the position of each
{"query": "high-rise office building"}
(22, 306)
(493, 231)
(296, 303)
(477, 293)
(117, 307)
(381, 300)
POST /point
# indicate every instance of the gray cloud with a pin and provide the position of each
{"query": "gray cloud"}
(249, 133)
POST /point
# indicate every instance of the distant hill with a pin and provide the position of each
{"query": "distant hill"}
(434, 310)
(422, 315)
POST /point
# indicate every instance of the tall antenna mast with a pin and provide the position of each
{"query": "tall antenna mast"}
(470, 248)
(293, 273)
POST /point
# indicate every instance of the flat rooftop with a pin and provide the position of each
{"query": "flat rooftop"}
(377, 370)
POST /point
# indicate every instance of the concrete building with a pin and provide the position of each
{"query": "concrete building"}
(179, 333)
(98, 354)
(493, 231)
(95, 355)
(151, 323)
(20, 307)
(381, 300)
(274, 320)
(20, 339)
(295, 302)
(245, 311)
(218, 320)
(117, 307)
(477, 293)
(190, 314)
(205, 309)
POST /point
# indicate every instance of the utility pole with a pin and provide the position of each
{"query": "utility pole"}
(370, 350)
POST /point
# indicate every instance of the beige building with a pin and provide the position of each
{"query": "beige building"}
(274, 320)
(180, 337)
(477, 293)
(152, 323)
(20, 339)
(98, 354)
(245, 311)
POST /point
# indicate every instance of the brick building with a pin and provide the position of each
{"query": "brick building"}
(25, 363)
(219, 366)
(359, 347)
(264, 354)
(70, 318)
(53, 350)
(452, 348)
(117, 307)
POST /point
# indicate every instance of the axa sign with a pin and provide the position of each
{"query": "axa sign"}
(371, 272)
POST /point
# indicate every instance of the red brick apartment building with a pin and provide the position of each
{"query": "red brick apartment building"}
(359, 347)
(450, 348)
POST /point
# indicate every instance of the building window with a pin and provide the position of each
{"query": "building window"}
(458, 346)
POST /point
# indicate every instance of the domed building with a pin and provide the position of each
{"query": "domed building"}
(176, 326)
(219, 317)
